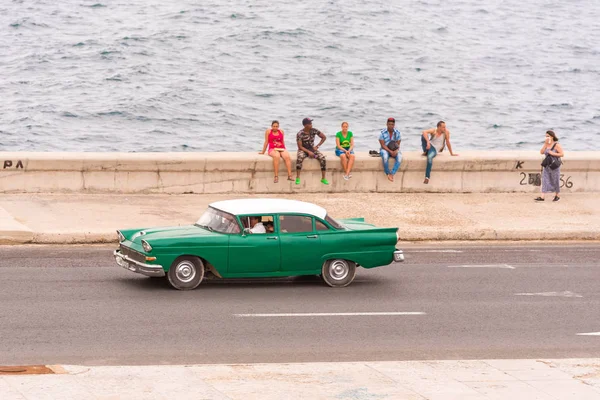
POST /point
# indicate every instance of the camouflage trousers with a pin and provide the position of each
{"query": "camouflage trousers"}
(301, 156)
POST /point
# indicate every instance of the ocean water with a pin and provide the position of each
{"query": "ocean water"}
(183, 75)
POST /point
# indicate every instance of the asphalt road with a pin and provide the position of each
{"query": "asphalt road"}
(74, 305)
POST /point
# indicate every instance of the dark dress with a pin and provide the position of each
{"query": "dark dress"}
(550, 178)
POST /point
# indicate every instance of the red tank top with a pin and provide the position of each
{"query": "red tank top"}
(276, 141)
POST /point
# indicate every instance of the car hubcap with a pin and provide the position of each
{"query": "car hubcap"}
(338, 269)
(185, 271)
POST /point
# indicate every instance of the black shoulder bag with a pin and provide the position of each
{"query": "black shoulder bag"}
(550, 161)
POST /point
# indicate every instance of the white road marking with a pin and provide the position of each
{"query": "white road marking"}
(521, 251)
(511, 266)
(329, 314)
(462, 251)
(434, 251)
(589, 334)
(506, 266)
(546, 265)
(551, 294)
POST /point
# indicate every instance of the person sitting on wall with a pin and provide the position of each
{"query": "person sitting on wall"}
(344, 149)
(275, 140)
(390, 139)
(433, 141)
(307, 148)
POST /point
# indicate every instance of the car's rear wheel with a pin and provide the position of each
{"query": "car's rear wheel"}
(186, 273)
(338, 272)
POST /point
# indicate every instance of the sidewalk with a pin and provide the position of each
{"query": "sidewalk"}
(93, 218)
(577, 379)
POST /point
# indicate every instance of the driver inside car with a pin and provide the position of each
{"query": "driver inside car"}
(257, 226)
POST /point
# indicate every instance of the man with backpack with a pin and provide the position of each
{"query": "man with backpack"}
(390, 139)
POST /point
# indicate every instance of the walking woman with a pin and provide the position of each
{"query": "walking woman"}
(551, 177)
(274, 139)
(344, 149)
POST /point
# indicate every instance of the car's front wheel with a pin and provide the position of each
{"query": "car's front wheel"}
(186, 273)
(338, 272)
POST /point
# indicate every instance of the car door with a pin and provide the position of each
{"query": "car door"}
(254, 254)
(300, 244)
(330, 242)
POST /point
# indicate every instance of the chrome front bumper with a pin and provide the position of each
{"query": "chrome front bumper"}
(136, 266)
(398, 256)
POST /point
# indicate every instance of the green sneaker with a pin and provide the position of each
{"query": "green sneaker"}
(324, 181)
(297, 181)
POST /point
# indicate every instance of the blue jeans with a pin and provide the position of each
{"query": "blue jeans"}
(431, 153)
(338, 152)
(385, 157)
(424, 144)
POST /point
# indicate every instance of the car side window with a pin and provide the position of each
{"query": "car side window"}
(320, 226)
(295, 224)
(258, 223)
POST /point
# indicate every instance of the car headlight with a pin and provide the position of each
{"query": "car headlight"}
(121, 237)
(146, 246)
(398, 235)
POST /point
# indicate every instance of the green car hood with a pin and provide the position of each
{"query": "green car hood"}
(171, 232)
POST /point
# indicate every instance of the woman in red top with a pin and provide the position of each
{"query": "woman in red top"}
(274, 139)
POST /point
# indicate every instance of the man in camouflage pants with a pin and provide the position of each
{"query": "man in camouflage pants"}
(307, 148)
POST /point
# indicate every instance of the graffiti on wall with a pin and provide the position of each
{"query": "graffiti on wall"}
(9, 164)
(535, 179)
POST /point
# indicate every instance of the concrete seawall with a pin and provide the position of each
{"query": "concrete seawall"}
(471, 172)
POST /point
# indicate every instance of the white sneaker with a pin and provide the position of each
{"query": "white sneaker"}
(346, 177)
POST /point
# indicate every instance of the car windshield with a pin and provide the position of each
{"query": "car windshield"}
(333, 222)
(218, 221)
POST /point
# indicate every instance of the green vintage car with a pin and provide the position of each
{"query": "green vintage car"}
(258, 238)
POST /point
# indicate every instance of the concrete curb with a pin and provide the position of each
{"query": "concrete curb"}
(13, 232)
(74, 237)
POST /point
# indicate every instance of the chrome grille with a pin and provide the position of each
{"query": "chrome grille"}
(134, 255)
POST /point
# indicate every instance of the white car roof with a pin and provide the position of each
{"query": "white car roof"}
(269, 206)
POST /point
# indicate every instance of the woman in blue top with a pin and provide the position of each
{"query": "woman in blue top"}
(344, 149)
